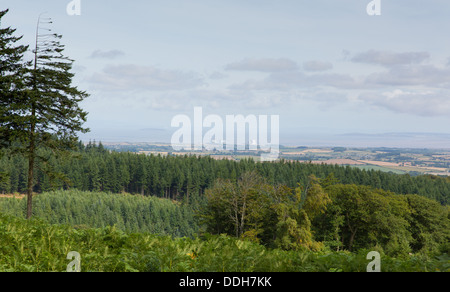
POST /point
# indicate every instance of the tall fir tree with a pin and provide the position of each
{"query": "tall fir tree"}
(12, 70)
(45, 112)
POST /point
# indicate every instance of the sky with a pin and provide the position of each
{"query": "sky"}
(335, 75)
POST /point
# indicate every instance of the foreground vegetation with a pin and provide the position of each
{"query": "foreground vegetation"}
(326, 215)
(135, 233)
(32, 245)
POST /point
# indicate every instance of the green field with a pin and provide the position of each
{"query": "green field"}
(380, 168)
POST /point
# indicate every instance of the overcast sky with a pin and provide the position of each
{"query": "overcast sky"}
(325, 67)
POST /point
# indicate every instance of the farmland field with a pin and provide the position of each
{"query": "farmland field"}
(380, 168)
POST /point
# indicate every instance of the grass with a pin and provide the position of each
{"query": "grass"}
(36, 246)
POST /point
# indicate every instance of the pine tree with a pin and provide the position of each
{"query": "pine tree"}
(11, 84)
(12, 70)
(45, 113)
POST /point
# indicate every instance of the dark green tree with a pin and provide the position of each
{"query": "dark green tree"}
(45, 113)
(11, 84)
(12, 71)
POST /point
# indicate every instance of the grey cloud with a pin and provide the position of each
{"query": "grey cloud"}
(317, 66)
(260, 85)
(292, 80)
(211, 99)
(345, 54)
(134, 77)
(333, 80)
(386, 58)
(330, 98)
(263, 65)
(112, 54)
(422, 104)
(217, 75)
(411, 75)
(231, 100)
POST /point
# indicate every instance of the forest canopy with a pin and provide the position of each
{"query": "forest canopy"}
(94, 168)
